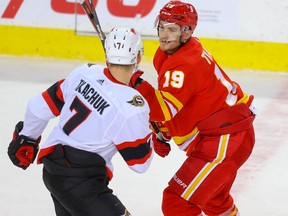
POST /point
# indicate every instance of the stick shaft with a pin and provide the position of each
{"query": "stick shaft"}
(92, 15)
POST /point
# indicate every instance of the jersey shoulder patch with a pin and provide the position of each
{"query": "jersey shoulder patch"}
(137, 101)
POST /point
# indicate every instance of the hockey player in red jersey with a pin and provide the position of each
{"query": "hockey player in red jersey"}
(99, 115)
(206, 113)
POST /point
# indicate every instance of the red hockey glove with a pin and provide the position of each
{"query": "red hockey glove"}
(22, 150)
(162, 148)
(136, 79)
(161, 131)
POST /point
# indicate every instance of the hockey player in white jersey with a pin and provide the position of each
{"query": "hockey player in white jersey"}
(99, 115)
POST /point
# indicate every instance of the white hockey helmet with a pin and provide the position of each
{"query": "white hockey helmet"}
(122, 46)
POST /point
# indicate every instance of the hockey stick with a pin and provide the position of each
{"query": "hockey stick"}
(92, 15)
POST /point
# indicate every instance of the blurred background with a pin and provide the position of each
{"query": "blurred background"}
(42, 41)
(239, 34)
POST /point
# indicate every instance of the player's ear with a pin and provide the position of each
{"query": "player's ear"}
(186, 34)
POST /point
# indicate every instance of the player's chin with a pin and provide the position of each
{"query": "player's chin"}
(166, 46)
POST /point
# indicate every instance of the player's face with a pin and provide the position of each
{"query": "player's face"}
(169, 36)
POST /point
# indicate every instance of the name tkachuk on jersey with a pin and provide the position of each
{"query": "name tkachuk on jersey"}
(92, 96)
(96, 113)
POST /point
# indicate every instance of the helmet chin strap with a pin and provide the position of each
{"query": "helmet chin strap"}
(184, 29)
(135, 68)
(184, 41)
(139, 56)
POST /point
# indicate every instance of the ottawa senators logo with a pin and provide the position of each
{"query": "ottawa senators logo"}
(137, 101)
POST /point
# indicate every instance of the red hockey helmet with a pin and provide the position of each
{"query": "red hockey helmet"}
(180, 13)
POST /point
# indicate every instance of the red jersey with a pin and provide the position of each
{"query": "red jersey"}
(191, 87)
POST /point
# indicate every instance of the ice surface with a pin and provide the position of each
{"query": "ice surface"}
(260, 188)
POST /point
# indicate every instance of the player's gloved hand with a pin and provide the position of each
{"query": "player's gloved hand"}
(22, 150)
(161, 147)
(161, 131)
(136, 79)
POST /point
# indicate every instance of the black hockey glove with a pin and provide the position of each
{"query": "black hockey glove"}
(22, 150)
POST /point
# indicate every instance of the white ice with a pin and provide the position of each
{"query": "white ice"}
(261, 186)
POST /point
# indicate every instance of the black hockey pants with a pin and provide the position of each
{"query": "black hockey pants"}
(78, 184)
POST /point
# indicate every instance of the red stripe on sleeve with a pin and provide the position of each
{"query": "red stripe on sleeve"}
(133, 143)
(50, 103)
(59, 91)
(139, 161)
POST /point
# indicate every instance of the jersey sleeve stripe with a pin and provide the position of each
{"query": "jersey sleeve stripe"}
(50, 103)
(174, 100)
(163, 105)
(135, 153)
(139, 161)
(244, 99)
(179, 140)
(54, 98)
(133, 144)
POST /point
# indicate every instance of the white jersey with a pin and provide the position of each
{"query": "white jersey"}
(96, 114)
